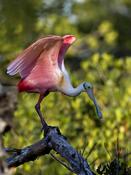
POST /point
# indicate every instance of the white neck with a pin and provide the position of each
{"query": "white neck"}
(74, 91)
(68, 89)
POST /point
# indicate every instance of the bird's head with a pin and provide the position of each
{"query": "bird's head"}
(89, 89)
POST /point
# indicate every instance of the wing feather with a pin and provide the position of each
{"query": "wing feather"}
(26, 61)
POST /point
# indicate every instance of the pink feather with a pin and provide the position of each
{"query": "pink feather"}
(25, 62)
(40, 64)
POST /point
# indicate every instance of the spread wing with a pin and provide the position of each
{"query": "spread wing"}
(49, 47)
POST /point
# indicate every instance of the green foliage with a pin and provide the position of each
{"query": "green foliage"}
(100, 56)
(89, 15)
(76, 116)
(117, 166)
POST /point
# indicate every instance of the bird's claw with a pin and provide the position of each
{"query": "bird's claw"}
(42, 129)
(45, 128)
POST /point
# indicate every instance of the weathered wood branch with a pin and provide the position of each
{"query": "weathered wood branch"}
(53, 140)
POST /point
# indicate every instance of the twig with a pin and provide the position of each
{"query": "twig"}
(62, 163)
(90, 151)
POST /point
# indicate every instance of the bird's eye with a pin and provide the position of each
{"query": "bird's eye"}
(87, 86)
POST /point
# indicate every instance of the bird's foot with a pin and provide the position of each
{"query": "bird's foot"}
(45, 128)
(42, 129)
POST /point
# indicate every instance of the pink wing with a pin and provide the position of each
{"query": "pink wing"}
(49, 47)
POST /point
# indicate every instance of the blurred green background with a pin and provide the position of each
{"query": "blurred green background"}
(101, 55)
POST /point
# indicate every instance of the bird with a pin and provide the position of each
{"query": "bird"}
(42, 70)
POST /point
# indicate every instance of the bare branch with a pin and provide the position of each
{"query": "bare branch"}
(29, 153)
(53, 141)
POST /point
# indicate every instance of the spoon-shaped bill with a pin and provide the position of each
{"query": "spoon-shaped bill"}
(92, 97)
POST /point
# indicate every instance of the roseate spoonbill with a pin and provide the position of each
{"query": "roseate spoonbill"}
(42, 70)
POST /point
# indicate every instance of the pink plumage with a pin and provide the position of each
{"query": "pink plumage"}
(42, 70)
(40, 64)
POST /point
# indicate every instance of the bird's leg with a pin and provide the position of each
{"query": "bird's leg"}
(37, 107)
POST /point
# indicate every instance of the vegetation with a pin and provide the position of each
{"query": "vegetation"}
(101, 56)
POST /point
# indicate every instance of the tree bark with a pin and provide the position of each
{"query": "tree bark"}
(53, 140)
